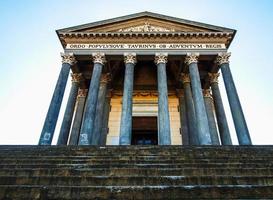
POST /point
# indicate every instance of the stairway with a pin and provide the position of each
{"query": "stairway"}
(136, 172)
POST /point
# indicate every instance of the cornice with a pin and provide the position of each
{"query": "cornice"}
(141, 34)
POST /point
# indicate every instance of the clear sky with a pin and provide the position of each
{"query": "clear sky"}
(30, 55)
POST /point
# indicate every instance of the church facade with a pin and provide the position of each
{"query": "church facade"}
(145, 79)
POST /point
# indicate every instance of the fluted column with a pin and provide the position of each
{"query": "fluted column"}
(76, 126)
(235, 106)
(219, 109)
(105, 78)
(127, 100)
(91, 101)
(193, 136)
(210, 113)
(199, 105)
(183, 117)
(53, 112)
(69, 111)
(164, 133)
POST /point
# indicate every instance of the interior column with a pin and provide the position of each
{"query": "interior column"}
(105, 78)
(183, 118)
(211, 119)
(191, 119)
(219, 109)
(76, 126)
(69, 111)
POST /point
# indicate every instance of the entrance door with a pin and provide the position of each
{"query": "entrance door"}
(144, 131)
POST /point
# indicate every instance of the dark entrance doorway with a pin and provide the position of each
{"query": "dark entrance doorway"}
(144, 131)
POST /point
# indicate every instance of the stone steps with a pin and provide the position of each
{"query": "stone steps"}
(139, 165)
(137, 192)
(136, 172)
(135, 180)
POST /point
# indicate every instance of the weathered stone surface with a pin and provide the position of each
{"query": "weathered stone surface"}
(136, 172)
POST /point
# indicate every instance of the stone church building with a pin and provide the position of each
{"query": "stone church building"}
(145, 79)
(144, 119)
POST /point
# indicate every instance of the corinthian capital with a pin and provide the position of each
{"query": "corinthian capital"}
(68, 58)
(76, 77)
(206, 93)
(130, 58)
(222, 58)
(99, 58)
(82, 92)
(213, 77)
(105, 78)
(161, 58)
(185, 78)
(191, 58)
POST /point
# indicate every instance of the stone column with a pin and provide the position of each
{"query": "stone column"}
(69, 111)
(106, 112)
(91, 102)
(191, 119)
(183, 118)
(56, 101)
(105, 78)
(76, 126)
(199, 105)
(220, 111)
(235, 106)
(127, 99)
(210, 113)
(164, 133)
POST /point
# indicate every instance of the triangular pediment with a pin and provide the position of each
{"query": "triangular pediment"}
(145, 22)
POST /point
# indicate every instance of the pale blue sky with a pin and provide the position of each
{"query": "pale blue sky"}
(30, 55)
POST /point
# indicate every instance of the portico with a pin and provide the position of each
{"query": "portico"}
(142, 74)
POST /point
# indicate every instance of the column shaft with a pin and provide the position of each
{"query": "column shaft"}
(127, 101)
(56, 101)
(106, 112)
(220, 111)
(234, 102)
(183, 120)
(164, 133)
(91, 102)
(68, 115)
(76, 126)
(211, 119)
(99, 111)
(199, 105)
(191, 119)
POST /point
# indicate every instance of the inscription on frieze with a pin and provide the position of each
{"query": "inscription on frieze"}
(148, 46)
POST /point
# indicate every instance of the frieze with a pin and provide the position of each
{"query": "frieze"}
(143, 46)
